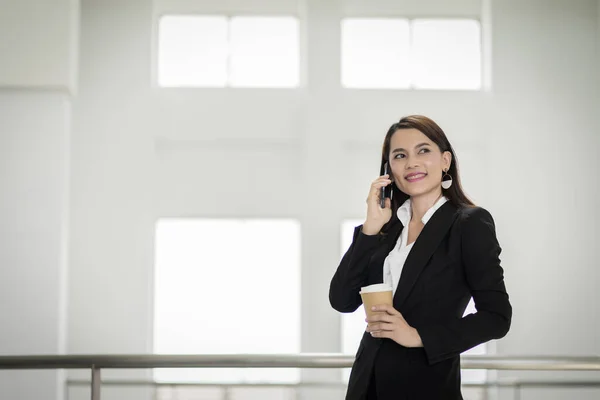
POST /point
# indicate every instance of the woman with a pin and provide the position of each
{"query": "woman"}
(437, 250)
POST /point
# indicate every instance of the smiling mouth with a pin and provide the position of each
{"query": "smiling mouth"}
(416, 177)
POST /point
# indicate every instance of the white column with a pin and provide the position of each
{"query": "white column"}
(34, 143)
(323, 195)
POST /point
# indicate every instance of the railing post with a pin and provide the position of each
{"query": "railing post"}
(517, 389)
(95, 383)
(226, 393)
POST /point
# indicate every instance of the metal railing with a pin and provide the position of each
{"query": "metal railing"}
(227, 389)
(98, 362)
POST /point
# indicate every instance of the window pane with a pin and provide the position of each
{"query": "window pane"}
(216, 284)
(192, 51)
(353, 324)
(375, 53)
(265, 52)
(446, 54)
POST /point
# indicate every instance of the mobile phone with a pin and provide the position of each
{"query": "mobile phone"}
(383, 195)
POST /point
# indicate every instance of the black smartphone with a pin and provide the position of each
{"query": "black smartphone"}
(384, 193)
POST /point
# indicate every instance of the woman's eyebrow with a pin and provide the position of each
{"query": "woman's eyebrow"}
(416, 147)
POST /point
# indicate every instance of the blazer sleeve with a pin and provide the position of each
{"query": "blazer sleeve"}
(485, 277)
(352, 273)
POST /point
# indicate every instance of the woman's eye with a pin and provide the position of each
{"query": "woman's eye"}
(420, 152)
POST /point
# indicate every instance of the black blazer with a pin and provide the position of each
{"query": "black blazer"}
(455, 256)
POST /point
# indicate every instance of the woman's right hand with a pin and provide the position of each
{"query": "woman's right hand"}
(377, 216)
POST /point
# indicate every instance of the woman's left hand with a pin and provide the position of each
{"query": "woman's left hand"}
(389, 323)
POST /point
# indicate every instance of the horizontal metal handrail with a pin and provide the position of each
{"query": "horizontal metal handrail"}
(305, 360)
(498, 383)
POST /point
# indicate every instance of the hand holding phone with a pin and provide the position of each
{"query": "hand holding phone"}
(379, 210)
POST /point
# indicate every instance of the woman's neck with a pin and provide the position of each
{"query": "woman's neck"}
(421, 204)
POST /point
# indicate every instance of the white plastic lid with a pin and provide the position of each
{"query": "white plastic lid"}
(378, 287)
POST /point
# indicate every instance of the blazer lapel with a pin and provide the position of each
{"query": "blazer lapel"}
(427, 242)
(393, 235)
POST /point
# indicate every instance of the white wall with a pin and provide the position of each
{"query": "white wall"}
(38, 43)
(543, 165)
(543, 149)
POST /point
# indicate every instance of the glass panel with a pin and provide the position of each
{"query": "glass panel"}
(192, 51)
(218, 286)
(375, 53)
(265, 52)
(446, 54)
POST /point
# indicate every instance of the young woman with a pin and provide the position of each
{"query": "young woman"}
(437, 250)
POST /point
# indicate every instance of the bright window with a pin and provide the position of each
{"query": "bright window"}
(446, 54)
(193, 51)
(396, 53)
(218, 285)
(264, 52)
(375, 53)
(217, 51)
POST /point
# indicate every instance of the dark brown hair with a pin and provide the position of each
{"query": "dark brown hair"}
(429, 128)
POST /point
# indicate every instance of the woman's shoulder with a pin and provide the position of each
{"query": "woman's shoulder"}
(474, 215)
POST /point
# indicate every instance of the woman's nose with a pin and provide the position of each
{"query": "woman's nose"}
(410, 163)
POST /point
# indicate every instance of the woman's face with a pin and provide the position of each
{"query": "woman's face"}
(417, 163)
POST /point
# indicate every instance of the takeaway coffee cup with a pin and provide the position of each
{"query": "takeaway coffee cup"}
(374, 295)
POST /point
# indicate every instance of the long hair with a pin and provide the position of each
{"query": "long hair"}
(429, 128)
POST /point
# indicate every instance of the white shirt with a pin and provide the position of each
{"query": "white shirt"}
(394, 262)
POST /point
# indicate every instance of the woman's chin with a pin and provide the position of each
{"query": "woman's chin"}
(416, 192)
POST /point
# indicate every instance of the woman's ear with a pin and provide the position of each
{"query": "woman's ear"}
(447, 156)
